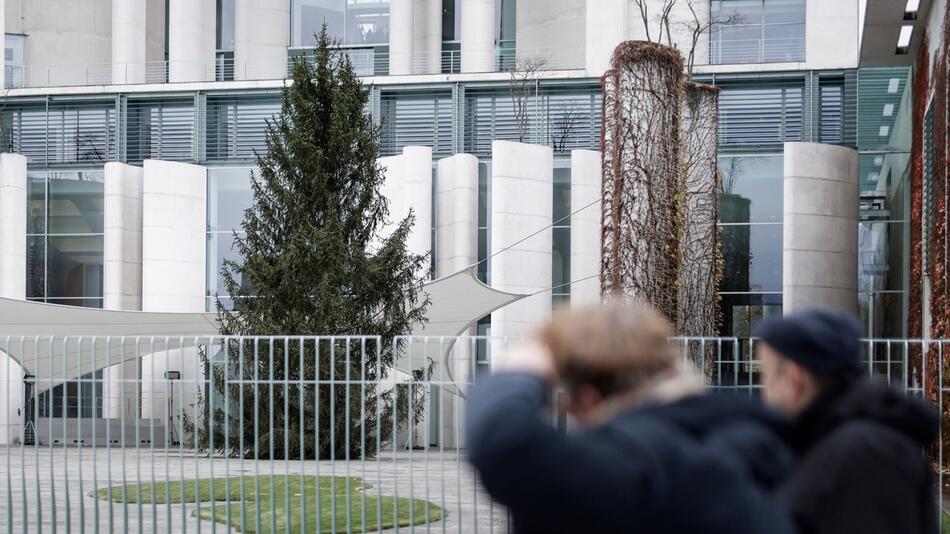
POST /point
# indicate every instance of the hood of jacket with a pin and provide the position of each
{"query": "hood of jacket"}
(863, 399)
(736, 428)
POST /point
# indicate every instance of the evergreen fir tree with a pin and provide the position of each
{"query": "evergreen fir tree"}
(315, 263)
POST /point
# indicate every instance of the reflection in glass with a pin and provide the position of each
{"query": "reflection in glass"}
(741, 312)
(74, 269)
(221, 248)
(36, 204)
(36, 267)
(75, 202)
(351, 22)
(752, 257)
(229, 194)
(751, 189)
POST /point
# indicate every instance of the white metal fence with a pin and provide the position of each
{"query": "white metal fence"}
(285, 434)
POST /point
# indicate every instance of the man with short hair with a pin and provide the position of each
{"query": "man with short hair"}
(860, 444)
(653, 452)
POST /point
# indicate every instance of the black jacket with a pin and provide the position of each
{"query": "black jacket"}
(696, 465)
(862, 465)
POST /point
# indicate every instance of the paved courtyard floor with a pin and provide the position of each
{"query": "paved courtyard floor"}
(43, 487)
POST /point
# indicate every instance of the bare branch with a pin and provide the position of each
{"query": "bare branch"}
(523, 87)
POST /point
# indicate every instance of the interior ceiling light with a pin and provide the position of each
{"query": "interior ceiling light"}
(910, 12)
(903, 41)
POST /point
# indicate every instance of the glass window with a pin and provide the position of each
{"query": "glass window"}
(225, 25)
(451, 20)
(757, 31)
(351, 22)
(561, 233)
(757, 115)
(741, 311)
(752, 257)
(751, 189)
(229, 194)
(13, 60)
(65, 234)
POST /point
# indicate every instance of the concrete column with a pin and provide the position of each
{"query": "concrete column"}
(417, 195)
(400, 37)
(121, 274)
(408, 186)
(174, 243)
(261, 38)
(128, 41)
(585, 226)
(12, 226)
(478, 35)
(3, 45)
(12, 282)
(456, 249)
(427, 37)
(191, 40)
(522, 203)
(820, 238)
(606, 27)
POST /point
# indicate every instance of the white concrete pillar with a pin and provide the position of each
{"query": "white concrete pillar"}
(417, 195)
(128, 41)
(522, 203)
(585, 226)
(606, 27)
(427, 37)
(12, 283)
(174, 243)
(456, 249)
(478, 35)
(191, 40)
(820, 237)
(408, 186)
(400, 37)
(261, 38)
(3, 45)
(121, 275)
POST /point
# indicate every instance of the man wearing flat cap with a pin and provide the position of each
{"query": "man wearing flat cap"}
(860, 444)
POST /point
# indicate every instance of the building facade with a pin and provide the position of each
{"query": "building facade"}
(124, 111)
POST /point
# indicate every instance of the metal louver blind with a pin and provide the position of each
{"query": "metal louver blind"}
(60, 133)
(760, 115)
(564, 118)
(416, 120)
(238, 126)
(831, 111)
(161, 129)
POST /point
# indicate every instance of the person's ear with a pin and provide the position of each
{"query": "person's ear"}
(584, 399)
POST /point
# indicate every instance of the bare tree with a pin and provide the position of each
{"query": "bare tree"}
(524, 89)
(662, 19)
(564, 126)
(696, 26)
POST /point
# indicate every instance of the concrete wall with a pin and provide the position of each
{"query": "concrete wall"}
(553, 30)
(820, 238)
(585, 226)
(12, 281)
(129, 38)
(261, 38)
(76, 33)
(408, 186)
(174, 247)
(122, 240)
(478, 35)
(831, 34)
(456, 249)
(121, 276)
(155, 32)
(522, 201)
(191, 40)
(606, 26)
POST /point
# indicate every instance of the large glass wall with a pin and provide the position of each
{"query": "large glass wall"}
(561, 234)
(757, 31)
(229, 194)
(750, 215)
(351, 22)
(64, 237)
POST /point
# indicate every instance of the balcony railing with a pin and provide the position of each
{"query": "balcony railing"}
(743, 51)
(366, 62)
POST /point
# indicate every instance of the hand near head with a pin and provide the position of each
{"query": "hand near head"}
(532, 357)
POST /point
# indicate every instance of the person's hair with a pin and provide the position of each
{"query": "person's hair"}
(612, 347)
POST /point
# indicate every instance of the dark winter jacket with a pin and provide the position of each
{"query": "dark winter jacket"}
(862, 465)
(696, 465)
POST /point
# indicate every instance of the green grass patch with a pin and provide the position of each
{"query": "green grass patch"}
(266, 504)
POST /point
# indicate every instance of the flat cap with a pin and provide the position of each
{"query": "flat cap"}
(824, 342)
